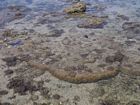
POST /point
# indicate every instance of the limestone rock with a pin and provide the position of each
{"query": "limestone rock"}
(76, 8)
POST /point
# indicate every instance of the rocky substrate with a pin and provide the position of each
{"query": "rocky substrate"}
(88, 56)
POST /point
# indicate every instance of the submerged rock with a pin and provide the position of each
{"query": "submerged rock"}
(131, 64)
(45, 92)
(21, 86)
(133, 27)
(8, 72)
(97, 92)
(93, 22)
(66, 41)
(129, 42)
(10, 61)
(76, 98)
(118, 56)
(7, 33)
(56, 96)
(13, 12)
(3, 92)
(5, 103)
(55, 33)
(109, 102)
(76, 8)
(133, 103)
(123, 17)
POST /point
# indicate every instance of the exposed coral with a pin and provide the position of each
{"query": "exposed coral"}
(76, 8)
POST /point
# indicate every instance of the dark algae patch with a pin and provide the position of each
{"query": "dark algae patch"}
(3, 92)
(10, 61)
(22, 86)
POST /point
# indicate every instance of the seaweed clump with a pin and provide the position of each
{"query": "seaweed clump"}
(78, 75)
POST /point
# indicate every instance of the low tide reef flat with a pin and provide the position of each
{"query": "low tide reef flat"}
(70, 52)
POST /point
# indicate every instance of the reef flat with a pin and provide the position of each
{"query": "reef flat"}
(69, 52)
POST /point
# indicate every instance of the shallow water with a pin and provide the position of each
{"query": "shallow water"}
(39, 31)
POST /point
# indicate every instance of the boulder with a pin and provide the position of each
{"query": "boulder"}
(79, 7)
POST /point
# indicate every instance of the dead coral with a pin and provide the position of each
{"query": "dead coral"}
(76, 8)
